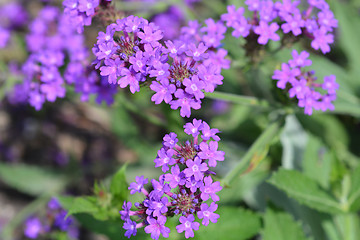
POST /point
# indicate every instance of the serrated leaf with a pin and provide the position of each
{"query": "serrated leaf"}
(281, 226)
(31, 180)
(305, 190)
(234, 224)
(119, 186)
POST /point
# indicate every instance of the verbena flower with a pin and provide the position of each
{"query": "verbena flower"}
(54, 45)
(182, 189)
(302, 84)
(315, 22)
(131, 53)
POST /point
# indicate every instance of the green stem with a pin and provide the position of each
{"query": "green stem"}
(239, 99)
(256, 148)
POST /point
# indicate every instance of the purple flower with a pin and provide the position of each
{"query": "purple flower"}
(4, 37)
(241, 28)
(33, 228)
(188, 225)
(195, 168)
(88, 6)
(138, 185)
(161, 71)
(175, 48)
(285, 75)
(130, 227)
(185, 102)
(207, 213)
(111, 69)
(191, 29)
(267, 32)
(160, 187)
(193, 128)
(62, 222)
(326, 19)
(208, 189)
(208, 132)
(175, 178)
(293, 24)
(267, 11)
(299, 60)
(210, 75)
(299, 89)
(131, 78)
(253, 5)
(138, 62)
(322, 40)
(150, 35)
(158, 207)
(330, 84)
(170, 140)
(54, 204)
(157, 227)
(164, 159)
(106, 50)
(125, 213)
(194, 87)
(197, 53)
(192, 184)
(233, 15)
(309, 102)
(286, 7)
(209, 151)
(164, 91)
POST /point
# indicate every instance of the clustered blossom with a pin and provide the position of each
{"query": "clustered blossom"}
(301, 84)
(130, 53)
(316, 22)
(12, 17)
(184, 187)
(55, 220)
(53, 41)
(80, 12)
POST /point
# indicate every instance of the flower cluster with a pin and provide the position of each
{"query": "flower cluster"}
(12, 17)
(130, 53)
(80, 12)
(317, 22)
(55, 220)
(302, 85)
(52, 42)
(183, 190)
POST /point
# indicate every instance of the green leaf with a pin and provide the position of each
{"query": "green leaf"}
(348, 226)
(281, 226)
(234, 224)
(257, 149)
(349, 30)
(83, 205)
(305, 191)
(32, 180)
(119, 186)
(318, 161)
(327, 127)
